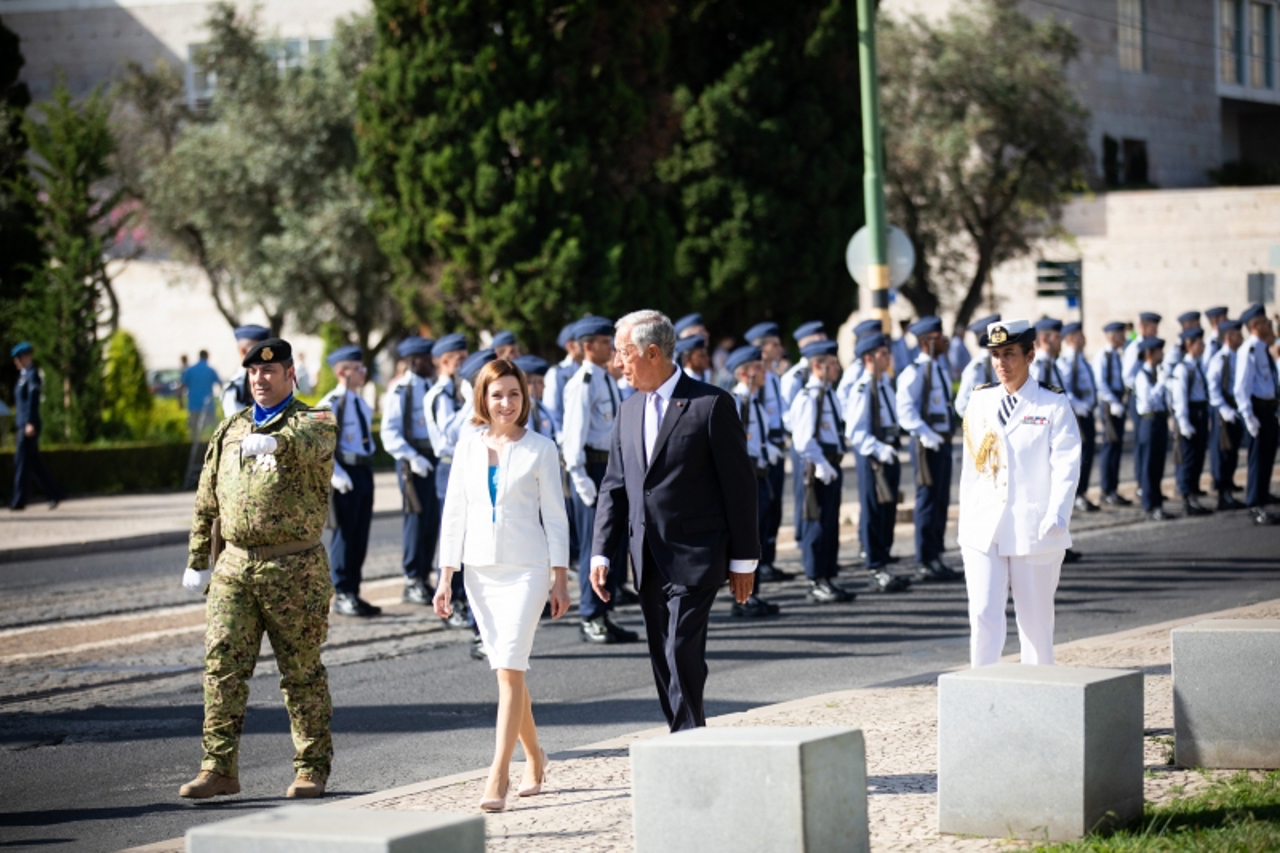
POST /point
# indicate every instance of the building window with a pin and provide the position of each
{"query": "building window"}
(285, 54)
(1262, 38)
(1124, 163)
(1132, 16)
(1231, 40)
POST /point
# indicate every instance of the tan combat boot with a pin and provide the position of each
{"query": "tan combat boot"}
(305, 787)
(209, 784)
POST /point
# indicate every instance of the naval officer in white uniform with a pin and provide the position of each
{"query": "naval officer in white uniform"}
(1017, 490)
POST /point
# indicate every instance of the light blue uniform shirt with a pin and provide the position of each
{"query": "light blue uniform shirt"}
(394, 441)
(808, 433)
(922, 417)
(591, 402)
(1108, 371)
(1077, 381)
(862, 437)
(446, 408)
(976, 373)
(1188, 385)
(353, 437)
(1150, 395)
(1255, 376)
(1221, 377)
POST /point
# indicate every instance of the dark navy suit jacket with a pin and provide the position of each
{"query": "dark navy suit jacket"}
(695, 505)
(27, 399)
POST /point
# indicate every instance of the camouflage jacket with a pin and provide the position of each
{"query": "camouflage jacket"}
(268, 499)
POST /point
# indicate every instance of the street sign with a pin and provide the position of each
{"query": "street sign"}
(902, 256)
(1059, 278)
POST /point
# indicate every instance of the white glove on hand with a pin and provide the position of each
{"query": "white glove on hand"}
(1187, 432)
(420, 465)
(827, 473)
(256, 444)
(194, 581)
(931, 440)
(773, 452)
(585, 488)
(1228, 414)
(341, 481)
(886, 454)
(1117, 410)
(1252, 425)
(1052, 527)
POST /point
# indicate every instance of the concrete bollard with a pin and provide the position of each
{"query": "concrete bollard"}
(1044, 752)
(727, 790)
(1226, 693)
(320, 830)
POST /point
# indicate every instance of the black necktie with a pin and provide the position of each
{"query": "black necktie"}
(888, 405)
(364, 425)
(613, 402)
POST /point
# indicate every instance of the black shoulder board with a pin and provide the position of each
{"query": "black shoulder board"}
(984, 385)
(1054, 388)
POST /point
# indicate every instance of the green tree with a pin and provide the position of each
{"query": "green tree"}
(126, 393)
(510, 149)
(70, 303)
(984, 142)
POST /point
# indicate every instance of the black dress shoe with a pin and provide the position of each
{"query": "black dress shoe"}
(768, 573)
(595, 631)
(620, 634)
(1192, 508)
(1072, 556)
(1263, 518)
(53, 504)
(626, 596)
(460, 618)
(477, 649)
(354, 605)
(1083, 504)
(936, 571)
(825, 592)
(882, 581)
(753, 608)
(18, 508)
(1114, 499)
(1228, 501)
(1158, 514)
(417, 592)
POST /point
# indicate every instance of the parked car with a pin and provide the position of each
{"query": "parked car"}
(165, 383)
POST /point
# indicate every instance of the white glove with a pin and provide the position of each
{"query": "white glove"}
(1228, 414)
(1187, 431)
(886, 454)
(420, 465)
(773, 452)
(256, 444)
(583, 485)
(341, 481)
(194, 581)
(931, 440)
(1252, 425)
(827, 473)
(1052, 527)
(1117, 410)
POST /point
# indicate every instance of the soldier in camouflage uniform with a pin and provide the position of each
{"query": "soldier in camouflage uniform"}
(265, 491)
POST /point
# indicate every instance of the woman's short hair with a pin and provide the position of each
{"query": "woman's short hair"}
(497, 369)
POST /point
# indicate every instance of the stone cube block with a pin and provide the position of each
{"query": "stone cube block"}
(726, 790)
(315, 829)
(1044, 752)
(1226, 693)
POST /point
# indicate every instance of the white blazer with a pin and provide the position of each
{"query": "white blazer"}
(526, 526)
(1029, 472)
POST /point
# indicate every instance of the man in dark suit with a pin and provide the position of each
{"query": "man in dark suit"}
(26, 460)
(680, 485)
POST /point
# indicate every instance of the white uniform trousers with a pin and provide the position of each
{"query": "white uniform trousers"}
(1034, 580)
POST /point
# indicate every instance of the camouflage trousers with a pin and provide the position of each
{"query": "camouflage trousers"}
(288, 599)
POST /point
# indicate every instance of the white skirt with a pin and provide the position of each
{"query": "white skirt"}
(506, 601)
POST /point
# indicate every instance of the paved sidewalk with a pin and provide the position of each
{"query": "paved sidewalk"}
(588, 803)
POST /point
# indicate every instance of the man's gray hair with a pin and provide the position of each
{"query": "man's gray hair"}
(650, 327)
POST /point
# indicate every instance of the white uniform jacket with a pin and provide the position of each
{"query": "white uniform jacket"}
(1018, 474)
(525, 526)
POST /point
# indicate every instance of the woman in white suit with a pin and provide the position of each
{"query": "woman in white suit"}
(504, 518)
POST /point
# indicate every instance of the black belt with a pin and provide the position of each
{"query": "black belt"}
(597, 457)
(1153, 415)
(1267, 405)
(832, 453)
(354, 459)
(777, 435)
(423, 446)
(1198, 405)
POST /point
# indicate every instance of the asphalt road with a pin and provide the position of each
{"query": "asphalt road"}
(103, 775)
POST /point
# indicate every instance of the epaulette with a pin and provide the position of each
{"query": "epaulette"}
(1054, 388)
(984, 386)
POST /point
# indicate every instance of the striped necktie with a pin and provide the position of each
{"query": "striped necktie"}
(1006, 407)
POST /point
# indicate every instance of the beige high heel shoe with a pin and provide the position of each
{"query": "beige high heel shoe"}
(492, 804)
(535, 789)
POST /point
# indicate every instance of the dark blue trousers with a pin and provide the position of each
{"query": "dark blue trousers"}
(1138, 463)
(421, 529)
(764, 503)
(26, 467)
(1088, 442)
(1109, 463)
(820, 541)
(797, 492)
(1191, 452)
(350, 542)
(932, 501)
(1262, 457)
(1152, 447)
(1224, 461)
(875, 524)
(584, 518)
(458, 590)
(772, 520)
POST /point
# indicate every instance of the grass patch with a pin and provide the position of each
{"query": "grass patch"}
(1240, 814)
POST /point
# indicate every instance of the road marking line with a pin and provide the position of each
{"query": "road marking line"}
(103, 644)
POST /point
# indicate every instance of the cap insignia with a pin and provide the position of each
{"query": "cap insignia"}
(999, 336)
(267, 354)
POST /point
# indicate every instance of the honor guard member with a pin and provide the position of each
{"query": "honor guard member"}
(1151, 445)
(1017, 487)
(1108, 373)
(817, 430)
(791, 383)
(1257, 390)
(1048, 346)
(405, 437)
(505, 346)
(853, 372)
(958, 356)
(692, 326)
(1228, 430)
(352, 499)
(768, 337)
(591, 403)
(747, 367)
(1189, 393)
(924, 410)
(559, 374)
(235, 394)
(874, 439)
(902, 352)
(1213, 337)
(28, 424)
(979, 370)
(467, 373)
(1148, 326)
(1082, 394)
(541, 420)
(255, 547)
(1173, 355)
(693, 358)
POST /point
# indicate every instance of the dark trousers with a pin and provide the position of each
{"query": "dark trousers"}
(797, 492)
(764, 504)
(932, 501)
(584, 518)
(421, 529)
(1191, 452)
(1152, 447)
(875, 524)
(26, 467)
(772, 520)
(1138, 463)
(456, 587)
(1262, 457)
(350, 541)
(820, 540)
(1088, 442)
(1224, 460)
(1109, 463)
(675, 624)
